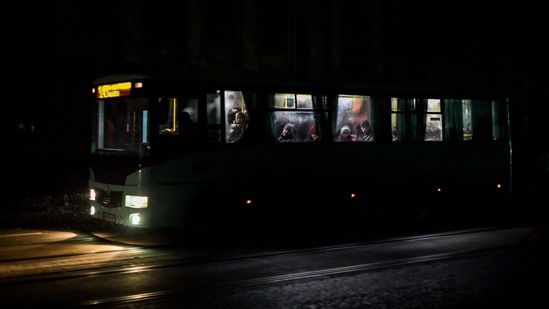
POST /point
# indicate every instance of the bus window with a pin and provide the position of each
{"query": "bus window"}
(467, 120)
(293, 117)
(304, 101)
(292, 101)
(433, 130)
(189, 120)
(178, 117)
(168, 122)
(499, 115)
(397, 119)
(213, 102)
(292, 126)
(122, 124)
(234, 103)
(411, 118)
(110, 132)
(353, 113)
(214, 118)
(482, 120)
(237, 118)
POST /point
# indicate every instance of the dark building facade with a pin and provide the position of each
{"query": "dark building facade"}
(375, 41)
(378, 42)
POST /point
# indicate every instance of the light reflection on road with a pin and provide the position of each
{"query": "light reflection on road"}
(24, 252)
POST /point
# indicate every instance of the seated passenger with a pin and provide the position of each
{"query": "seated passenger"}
(288, 134)
(345, 135)
(433, 132)
(238, 128)
(313, 131)
(365, 134)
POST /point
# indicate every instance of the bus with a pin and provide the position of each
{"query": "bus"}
(182, 152)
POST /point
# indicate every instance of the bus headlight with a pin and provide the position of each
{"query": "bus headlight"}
(136, 201)
(92, 195)
(135, 219)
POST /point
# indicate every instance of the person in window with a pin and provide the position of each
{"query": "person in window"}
(345, 135)
(288, 134)
(313, 131)
(237, 108)
(395, 135)
(110, 133)
(365, 134)
(433, 132)
(238, 128)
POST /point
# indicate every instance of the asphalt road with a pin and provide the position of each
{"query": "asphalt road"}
(461, 269)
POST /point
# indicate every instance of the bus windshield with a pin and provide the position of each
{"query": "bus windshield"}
(122, 124)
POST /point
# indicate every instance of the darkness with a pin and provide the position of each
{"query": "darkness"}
(55, 51)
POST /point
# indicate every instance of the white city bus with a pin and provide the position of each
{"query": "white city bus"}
(168, 152)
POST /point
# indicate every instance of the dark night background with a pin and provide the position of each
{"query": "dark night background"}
(53, 52)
